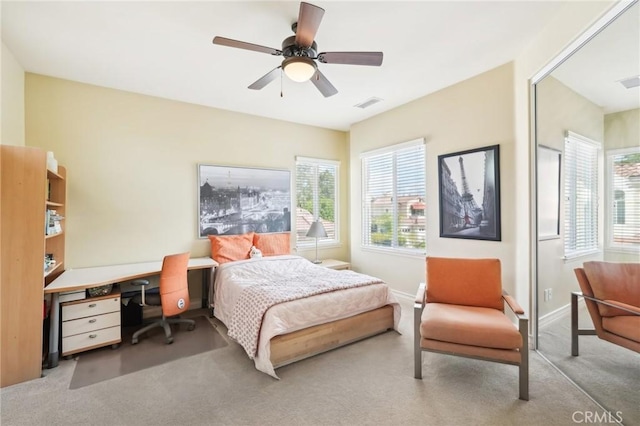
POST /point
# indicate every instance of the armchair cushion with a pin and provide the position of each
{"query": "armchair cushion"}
(623, 325)
(614, 281)
(468, 282)
(469, 325)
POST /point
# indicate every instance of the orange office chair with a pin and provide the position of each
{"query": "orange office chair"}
(462, 313)
(173, 297)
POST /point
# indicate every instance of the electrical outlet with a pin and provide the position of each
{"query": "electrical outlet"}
(550, 290)
(547, 294)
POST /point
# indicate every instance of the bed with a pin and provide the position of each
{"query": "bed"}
(282, 308)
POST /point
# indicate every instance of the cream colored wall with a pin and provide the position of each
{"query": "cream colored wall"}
(474, 113)
(424, 118)
(621, 130)
(398, 125)
(560, 109)
(12, 111)
(132, 165)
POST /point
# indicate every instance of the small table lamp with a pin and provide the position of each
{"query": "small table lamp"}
(317, 231)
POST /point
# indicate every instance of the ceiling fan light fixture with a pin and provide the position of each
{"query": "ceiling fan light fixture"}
(299, 68)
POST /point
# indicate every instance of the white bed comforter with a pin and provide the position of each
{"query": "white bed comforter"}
(263, 283)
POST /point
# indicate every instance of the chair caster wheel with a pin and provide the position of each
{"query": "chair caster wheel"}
(134, 341)
(191, 327)
(169, 340)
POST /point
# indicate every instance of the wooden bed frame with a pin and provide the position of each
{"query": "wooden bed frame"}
(305, 343)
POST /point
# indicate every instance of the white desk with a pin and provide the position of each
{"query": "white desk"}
(83, 278)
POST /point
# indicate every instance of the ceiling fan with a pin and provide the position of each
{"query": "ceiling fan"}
(300, 53)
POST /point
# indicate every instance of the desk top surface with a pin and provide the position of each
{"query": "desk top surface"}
(82, 278)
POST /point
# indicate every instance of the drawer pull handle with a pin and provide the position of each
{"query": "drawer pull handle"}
(93, 305)
(91, 321)
(93, 336)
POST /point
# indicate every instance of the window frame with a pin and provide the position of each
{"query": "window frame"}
(322, 242)
(570, 207)
(365, 201)
(610, 214)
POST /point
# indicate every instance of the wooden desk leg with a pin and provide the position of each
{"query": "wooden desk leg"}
(205, 288)
(54, 331)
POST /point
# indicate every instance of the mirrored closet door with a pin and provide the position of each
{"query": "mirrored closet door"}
(587, 135)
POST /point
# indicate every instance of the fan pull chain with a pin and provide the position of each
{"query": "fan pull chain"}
(281, 95)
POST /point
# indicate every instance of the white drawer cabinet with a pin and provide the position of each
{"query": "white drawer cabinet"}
(90, 323)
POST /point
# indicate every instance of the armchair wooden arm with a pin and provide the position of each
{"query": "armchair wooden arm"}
(513, 305)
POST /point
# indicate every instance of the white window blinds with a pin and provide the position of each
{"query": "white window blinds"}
(394, 205)
(580, 195)
(317, 183)
(624, 199)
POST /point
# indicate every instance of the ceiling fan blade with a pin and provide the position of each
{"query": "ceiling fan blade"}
(223, 41)
(309, 19)
(323, 85)
(351, 58)
(265, 79)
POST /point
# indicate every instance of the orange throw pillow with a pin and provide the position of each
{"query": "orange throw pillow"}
(273, 244)
(227, 248)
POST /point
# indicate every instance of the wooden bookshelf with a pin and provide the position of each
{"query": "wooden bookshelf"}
(25, 185)
(55, 243)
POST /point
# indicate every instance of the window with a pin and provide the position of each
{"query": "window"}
(393, 205)
(317, 198)
(580, 195)
(624, 202)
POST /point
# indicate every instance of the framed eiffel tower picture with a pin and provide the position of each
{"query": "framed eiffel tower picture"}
(469, 191)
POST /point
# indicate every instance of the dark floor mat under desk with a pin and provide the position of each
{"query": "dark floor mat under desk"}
(106, 363)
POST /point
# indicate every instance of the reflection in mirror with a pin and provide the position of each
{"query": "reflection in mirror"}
(587, 126)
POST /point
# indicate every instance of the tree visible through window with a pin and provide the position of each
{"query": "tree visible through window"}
(317, 195)
(393, 188)
(624, 190)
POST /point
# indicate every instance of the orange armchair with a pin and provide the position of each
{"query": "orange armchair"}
(460, 312)
(612, 294)
(173, 297)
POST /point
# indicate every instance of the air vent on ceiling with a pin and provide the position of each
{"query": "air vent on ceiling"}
(631, 82)
(368, 103)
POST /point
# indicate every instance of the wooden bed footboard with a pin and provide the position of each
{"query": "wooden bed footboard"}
(301, 344)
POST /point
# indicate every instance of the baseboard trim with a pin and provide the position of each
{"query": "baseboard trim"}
(403, 295)
(553, 316)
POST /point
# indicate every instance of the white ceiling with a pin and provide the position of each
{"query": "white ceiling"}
(165, 49)
(596, 69)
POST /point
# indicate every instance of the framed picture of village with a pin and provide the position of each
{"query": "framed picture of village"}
(470, 194)
(235, 200)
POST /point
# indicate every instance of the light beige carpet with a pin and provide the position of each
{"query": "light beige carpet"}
(105, 363)
(368, 383)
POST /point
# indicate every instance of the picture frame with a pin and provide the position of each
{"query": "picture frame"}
(469, 194)
(549, 169)
(235, 200)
